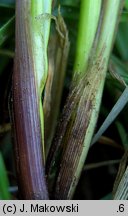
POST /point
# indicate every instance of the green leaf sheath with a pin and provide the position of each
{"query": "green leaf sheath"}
(30, 72)
(88, 22)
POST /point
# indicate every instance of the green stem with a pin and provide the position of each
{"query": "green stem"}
(89, 17)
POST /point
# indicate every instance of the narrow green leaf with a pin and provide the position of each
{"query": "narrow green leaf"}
(4, 184)
(122, 190)
(7, 3)
(122, 101)
(119, 68)
(6, 30)
(123, 134)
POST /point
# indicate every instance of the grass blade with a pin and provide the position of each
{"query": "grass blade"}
(6, 30)
(4, 184)
(120, 104)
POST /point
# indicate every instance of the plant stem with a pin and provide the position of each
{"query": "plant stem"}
(30, 72)
(97, 74)
(88, 22)
(80, 113)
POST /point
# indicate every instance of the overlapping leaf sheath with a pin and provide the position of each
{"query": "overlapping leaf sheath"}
(74, 125)
(80, 113)
(58, 55)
